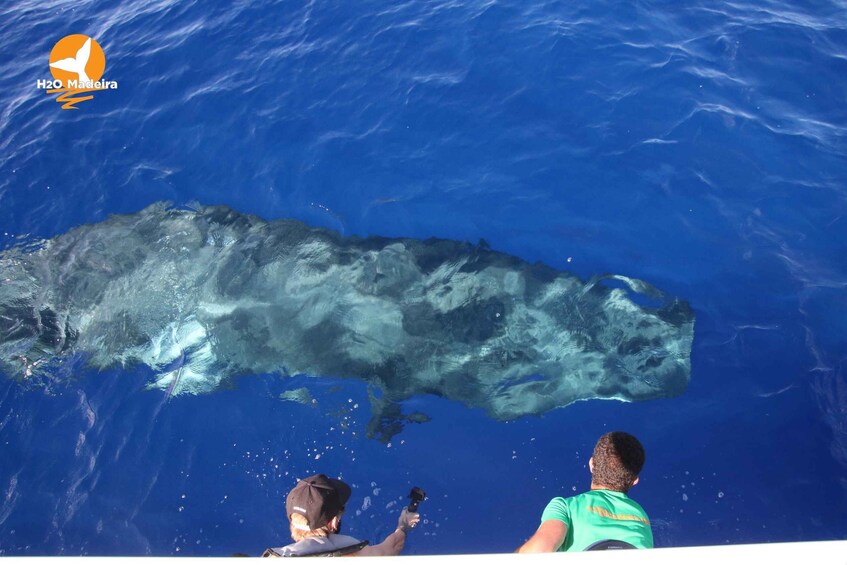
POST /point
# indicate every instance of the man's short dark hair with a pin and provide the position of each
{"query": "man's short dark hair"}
(618, 458)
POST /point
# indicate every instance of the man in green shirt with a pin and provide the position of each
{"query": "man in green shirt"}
(603, 514)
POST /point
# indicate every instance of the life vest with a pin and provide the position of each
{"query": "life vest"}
(331, 546)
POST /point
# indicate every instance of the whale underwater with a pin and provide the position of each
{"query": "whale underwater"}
(202, 296)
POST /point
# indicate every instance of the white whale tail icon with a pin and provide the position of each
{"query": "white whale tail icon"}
(78, 63)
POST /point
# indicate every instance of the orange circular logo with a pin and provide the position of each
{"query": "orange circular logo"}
(79, 58)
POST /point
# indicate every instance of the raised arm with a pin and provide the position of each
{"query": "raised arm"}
(549, 537)
(393, 544)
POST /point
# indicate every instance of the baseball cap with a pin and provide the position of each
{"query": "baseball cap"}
(318, 498)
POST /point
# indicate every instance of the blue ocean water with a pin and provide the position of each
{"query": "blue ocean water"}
(699, 146)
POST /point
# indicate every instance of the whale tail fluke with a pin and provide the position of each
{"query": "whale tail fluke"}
(78, 63)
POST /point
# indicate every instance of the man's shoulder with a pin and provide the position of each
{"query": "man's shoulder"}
(342, 540)
(567, 499)
(318, 545)
(606, 498)
(578, 498)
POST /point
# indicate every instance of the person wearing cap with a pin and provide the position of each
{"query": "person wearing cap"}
(314, 508)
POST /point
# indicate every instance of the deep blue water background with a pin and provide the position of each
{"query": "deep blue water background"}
(699, 146)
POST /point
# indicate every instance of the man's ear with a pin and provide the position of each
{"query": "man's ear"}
(635, 482)
(334, 524)
(591, 465)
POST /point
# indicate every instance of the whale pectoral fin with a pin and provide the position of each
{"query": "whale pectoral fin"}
(388, 420)
(383, 427)
(384, 423)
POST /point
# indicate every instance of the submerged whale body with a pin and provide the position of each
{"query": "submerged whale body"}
(201, 296)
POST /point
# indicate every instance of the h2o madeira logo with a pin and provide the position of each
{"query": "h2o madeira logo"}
(77, 63)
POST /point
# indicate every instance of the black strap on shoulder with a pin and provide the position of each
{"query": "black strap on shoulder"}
(609, 544)
(269, 552)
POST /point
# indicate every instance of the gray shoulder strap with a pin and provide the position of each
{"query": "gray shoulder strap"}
(334, 545)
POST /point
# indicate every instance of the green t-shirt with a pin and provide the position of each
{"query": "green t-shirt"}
(599, 515)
